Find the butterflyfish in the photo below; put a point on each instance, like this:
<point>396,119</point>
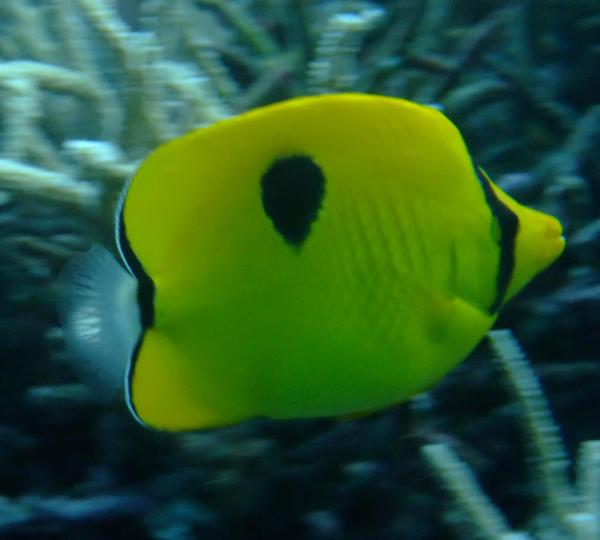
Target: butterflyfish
<point>321,256</point>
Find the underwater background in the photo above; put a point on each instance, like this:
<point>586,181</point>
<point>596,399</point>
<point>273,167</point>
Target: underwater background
<point>89,87</point>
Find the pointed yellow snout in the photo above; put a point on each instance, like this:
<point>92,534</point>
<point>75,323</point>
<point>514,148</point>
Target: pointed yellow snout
<point>539,243</point>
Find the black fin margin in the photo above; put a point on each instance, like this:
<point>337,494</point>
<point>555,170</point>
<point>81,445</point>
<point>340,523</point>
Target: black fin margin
<point>146,290</point>
<point>508,223</point>
<point>129,382</point>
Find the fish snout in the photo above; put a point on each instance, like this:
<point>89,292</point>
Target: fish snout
<point>553,239</point>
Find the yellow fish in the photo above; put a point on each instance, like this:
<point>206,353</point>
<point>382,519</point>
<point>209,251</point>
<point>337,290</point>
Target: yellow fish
<point>321,256</point>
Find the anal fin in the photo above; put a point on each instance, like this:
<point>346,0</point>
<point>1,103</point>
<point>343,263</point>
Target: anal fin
<point>163,391</point>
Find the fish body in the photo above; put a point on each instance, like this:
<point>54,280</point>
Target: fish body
<point>321,256</point>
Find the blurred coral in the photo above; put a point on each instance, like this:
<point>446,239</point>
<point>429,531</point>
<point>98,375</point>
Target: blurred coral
<point>89,87</point>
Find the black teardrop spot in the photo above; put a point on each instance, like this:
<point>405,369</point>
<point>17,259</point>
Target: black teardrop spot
<point>292,193</point>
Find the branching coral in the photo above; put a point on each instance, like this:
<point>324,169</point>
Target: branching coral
<point>88,69</point>
<point>569,510</point>
<point>89,87</point>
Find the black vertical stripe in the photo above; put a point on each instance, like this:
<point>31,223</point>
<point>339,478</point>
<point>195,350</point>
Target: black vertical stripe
<point>508,224</point>
<point>130,376</point>
<point>145,290</point>
<point>145,299</point>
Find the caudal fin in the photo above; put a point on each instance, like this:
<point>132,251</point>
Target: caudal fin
<point>100,319</point>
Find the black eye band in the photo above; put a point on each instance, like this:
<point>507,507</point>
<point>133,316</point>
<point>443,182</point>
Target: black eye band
<point>508,224</point>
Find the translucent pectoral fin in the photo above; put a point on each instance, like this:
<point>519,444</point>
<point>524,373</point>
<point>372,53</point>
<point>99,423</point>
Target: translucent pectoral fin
<point>100,319</point>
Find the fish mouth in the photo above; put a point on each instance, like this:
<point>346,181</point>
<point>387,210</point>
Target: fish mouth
<point>561,242</point>
<point>555,239</point>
